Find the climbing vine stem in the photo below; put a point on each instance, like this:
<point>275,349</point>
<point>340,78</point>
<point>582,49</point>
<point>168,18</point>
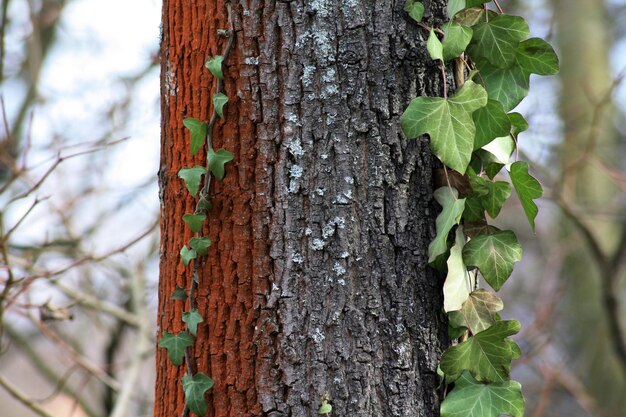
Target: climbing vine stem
<point>197,180</point>
<point>473,132</point>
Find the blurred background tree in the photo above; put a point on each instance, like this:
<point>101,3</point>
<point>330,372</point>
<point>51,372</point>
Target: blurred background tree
<point>78,209</point>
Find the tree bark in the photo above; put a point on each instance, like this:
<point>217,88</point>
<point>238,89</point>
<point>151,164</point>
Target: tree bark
<point>317,282</point>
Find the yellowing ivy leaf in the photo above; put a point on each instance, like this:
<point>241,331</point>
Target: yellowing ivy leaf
<point>459,282</point>
<point>479,311</point>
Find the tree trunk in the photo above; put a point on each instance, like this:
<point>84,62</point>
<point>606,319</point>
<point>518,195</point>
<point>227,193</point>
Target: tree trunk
<point>317,282</point>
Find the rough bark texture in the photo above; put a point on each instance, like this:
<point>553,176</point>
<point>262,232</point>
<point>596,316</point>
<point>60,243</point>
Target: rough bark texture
<point>317,281</point>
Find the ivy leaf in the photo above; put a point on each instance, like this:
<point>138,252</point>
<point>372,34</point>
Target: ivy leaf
<point>179,294</point>
<point>536,56</point>
<point>217,161</point>
<point>470,398</point>
<point>491,122</point>
<point>500,150</point>
<point>474,210</point>
<point>194,388</point>
<point>203,205</point>
<point>496,40</point>
<point>448,122</point>
<point>493,195</point>
<point>455,6</point>
<point>200,245</point>
<point>487,355</point>
<point>219,100</point>
<point>175,345</point>
<point>459,283</point>
<point>414,9</point>
<point>326,408</point>
<point>510,85</point>
<point>449,216</point>
<point>479,311</point>
<point>434,46</point>
<point>194,221</point>
<point>214,64</point>
<point>507,85</point>
<point>494,255</point>
<point>470,16</point>
<point>192,178</point>
<point>455,39</point>
<point>518,123</point>
<point>192,319</point>
<point>186,255</point>
<point>198,132</point>
<point>527,188</point>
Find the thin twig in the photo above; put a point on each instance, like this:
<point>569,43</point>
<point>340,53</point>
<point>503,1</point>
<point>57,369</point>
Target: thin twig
<point>21,397</point>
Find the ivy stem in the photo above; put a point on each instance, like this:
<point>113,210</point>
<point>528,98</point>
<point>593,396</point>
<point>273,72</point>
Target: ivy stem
<point>445,83</point>
<point>204,193</point>
<point>498,6</point>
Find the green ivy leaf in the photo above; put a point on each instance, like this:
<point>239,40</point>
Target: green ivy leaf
<point>217,161</point>
<point>518,123</point>
<point>186,255</point>
<point>192,319</point>
<point>510,85</point>
<point>175,345</point>
<point>198,132</point>
<point>491,122</point>
<point>474,210</point>
<point>486,355</point>
<point>214,64</point>
<point>326,408</point>
<point>455,39</point>
<point>194,221</point>
<point>493,195</point>
<point>494,255</point>
<point>470,398</point>
<point>194,388</point>
<point>448,122</point>
<point>479,311</point>
<point>527,188</point>
<point>459,283</point>
<point>203,205</point>
<point>449,216</point>
<point>200,245</point>
<point>434,46</point>
<point>219,100</point>
<point>192,178</point>
<point>496,40</point>
<point>414,9</point>
<point>536,56</point>
<point>179,294</point>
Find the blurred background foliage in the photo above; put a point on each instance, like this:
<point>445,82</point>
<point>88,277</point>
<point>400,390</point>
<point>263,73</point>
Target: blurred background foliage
<point>79,208</point>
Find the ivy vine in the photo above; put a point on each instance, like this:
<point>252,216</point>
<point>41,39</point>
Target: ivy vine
<point>197,180</point>
<point>474,134</point>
